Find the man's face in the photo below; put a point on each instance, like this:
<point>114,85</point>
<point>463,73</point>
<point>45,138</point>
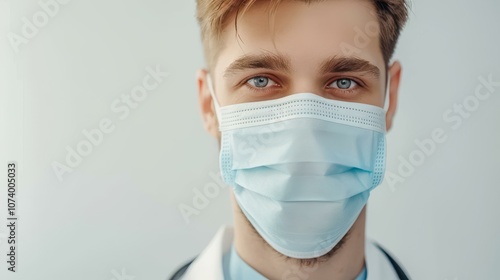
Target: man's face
<point>329,48</point>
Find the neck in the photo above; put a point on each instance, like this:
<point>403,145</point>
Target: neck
<point>346,262</point>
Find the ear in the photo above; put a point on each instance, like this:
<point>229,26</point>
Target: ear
<point>394,78</point>
<point>205,101</point>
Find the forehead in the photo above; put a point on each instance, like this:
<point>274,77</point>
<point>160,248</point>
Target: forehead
<point>305,33</point>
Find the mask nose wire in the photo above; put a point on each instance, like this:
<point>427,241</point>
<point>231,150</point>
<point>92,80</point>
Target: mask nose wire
<point>214,98</point>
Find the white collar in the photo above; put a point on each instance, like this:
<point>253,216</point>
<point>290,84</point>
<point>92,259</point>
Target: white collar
<point>208,265</point>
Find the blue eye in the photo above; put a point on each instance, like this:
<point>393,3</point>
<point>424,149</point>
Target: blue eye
<point>261,82</point>
<point>343,84</point>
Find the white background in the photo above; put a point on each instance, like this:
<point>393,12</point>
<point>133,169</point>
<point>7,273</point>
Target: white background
<point>117,212</point>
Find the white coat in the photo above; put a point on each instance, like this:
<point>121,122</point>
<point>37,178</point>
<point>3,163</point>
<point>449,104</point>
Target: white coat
<point>208,265</point>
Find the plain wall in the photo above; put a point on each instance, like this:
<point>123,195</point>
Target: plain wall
<point>117,212</point>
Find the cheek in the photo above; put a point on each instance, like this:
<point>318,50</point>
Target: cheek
<point>372,98</point>
<point>378,100</point>
<point>377,96</point>
<point>374,94</point>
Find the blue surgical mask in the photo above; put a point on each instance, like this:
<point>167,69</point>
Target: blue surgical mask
<point>302,167</point>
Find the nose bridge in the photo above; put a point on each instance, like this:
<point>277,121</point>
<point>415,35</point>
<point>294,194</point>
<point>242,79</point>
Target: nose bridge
<point>305,83</point>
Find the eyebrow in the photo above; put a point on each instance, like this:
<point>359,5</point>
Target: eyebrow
<point>349,64</point>
<point>276,62</point>
<point>256,61</point>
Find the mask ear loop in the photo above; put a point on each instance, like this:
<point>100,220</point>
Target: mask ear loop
<point>387,89</point>
<point>214,98</point>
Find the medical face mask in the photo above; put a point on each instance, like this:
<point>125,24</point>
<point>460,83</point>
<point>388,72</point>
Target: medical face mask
<point>301,167</point>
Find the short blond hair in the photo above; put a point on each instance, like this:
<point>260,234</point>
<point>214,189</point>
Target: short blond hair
<point>213,16</point>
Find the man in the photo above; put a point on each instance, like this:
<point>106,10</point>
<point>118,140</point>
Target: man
<point>295,92</point>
